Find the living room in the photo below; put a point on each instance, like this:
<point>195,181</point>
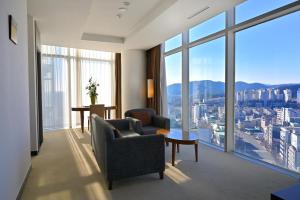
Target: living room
<point>179,99</point>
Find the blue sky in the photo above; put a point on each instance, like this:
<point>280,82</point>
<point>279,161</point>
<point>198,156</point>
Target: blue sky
<point>267,53</point>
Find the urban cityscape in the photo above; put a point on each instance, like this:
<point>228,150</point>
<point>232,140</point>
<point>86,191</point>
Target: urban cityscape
<point>267,118</point>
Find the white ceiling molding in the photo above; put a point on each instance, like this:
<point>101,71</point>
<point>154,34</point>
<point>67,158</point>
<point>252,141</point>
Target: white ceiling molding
<point>102,38</point>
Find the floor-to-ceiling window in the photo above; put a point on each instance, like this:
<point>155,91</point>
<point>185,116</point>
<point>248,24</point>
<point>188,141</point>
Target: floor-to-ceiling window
<point>244,87</point>
<point>174,94</point>
<point>207,81</point>
<point>267,114</point>
<point>65,74</point>
<point>207,91</point>
<point>173,68</point>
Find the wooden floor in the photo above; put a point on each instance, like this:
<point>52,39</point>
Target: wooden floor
<point>66,169</point>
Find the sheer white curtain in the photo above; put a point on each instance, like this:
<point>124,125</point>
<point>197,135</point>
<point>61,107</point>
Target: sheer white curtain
<point>65,74</point>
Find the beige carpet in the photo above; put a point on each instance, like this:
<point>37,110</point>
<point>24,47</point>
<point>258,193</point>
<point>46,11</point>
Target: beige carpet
<point>66,169</point>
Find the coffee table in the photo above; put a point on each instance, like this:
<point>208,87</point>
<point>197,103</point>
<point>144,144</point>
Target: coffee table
<point>177,137</point>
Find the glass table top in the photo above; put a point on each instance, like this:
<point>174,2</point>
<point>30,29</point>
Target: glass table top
<point>178,134</point>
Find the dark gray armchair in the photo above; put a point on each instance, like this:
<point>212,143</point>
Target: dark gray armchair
<point>121,153</point>
<point>146,121</point>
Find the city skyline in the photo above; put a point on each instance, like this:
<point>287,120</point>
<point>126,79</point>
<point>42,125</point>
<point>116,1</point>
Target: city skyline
<point>269,85</point>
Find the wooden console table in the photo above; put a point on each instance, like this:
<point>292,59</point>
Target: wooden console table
<point>82,109</point>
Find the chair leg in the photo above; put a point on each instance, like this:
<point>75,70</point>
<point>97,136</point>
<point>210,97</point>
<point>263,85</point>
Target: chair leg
<point>161,175</point>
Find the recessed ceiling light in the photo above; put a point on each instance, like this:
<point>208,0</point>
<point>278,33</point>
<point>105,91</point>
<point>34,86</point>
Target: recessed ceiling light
<point>122,9</point>
<point>126,3</point>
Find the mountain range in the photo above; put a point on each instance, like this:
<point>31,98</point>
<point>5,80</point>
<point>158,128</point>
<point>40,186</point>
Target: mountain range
<point>217,88</point>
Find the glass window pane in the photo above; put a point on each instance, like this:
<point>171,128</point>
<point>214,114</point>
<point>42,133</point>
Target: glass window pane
<point>267,114</point>
<point>253,8</point>
<point>173,64</point>
<point>207,91</point>
<point>208,27</point>
<point>55,92</point>
<point>173,43</point>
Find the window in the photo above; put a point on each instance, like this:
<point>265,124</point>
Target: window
<point>208,27</point>
<point>173,64</point>
<point>65,74</point>
<point>253,8</point>
<point>207,91</point>
<point>267,86</point>
<point>55,92</point>
<point>267,114</point>
<point>173,43</point>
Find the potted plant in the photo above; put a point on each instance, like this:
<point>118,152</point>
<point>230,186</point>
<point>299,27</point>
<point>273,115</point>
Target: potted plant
<point>92,90</point>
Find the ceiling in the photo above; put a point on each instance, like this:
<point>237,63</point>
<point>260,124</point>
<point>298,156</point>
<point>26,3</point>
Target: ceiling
<point>93,24</point>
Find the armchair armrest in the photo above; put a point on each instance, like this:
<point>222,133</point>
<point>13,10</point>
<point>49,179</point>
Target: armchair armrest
<point>135,124</point>
<point>140,154</point>
<point>161,122</point>
<point>120,124</point>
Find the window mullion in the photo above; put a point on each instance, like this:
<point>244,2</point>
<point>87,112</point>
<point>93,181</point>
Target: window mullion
<point>230,82</point>
<point>185,81</point>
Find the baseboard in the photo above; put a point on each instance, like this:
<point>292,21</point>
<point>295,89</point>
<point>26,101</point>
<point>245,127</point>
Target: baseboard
<point>23,184</point>
<point>34,153</point>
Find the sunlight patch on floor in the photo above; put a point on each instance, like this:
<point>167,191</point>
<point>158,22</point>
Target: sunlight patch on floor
<point>175,174</point>
<point>95,191</point>
<point>78,133</point>
<point>82,164</point>
<point>90,153</point>
<point>66,194</point>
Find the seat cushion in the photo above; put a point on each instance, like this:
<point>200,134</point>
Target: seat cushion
<point>143,116</point>
<point>128,133</point>
<point>149,130</point>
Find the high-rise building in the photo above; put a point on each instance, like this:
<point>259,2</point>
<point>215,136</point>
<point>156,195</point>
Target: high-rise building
<point>294,150</point>
<point>287,95</point>
<point>285,115</point>
<point>271,94</point>
<point>298,95</point>
<point>221,112</point>
<point>285,141</point>
<point>195,114</point>
<point>239,96</point>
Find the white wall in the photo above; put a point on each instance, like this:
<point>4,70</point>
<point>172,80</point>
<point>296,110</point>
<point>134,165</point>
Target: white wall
<point>133,79</point>
<point>14,101</point>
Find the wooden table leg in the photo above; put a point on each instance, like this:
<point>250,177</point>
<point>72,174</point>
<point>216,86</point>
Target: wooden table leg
<point>177,148</point>
<point>173,153</point>
<point>82,120</point>
<point>196,151</point>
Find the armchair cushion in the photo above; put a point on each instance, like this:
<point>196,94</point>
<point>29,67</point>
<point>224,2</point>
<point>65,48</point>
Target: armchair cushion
<point>149,130</point>
<point>128,133</point>
<point>143,116</point>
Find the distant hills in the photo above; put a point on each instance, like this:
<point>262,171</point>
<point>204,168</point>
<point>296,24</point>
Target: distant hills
<point>212,89</point>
